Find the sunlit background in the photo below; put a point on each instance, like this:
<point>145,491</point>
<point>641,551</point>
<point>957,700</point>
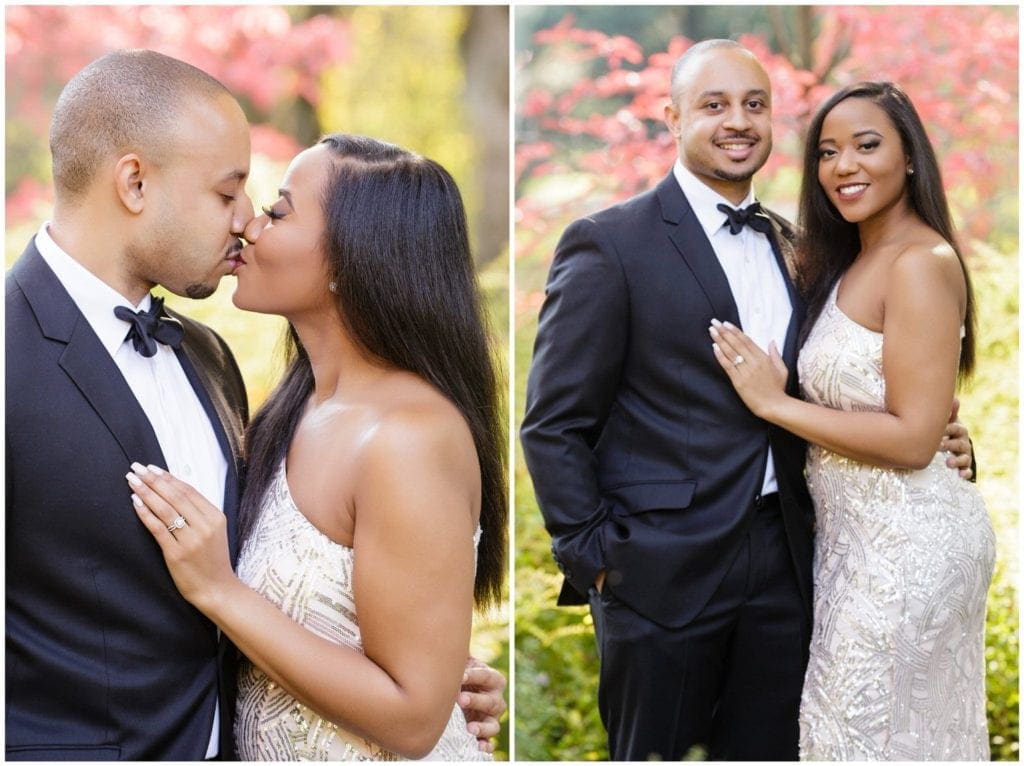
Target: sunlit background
<point>591,83</point>
<point>433,79</point>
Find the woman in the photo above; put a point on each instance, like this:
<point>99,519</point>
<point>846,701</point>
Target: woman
<point>904,549</point>
<point>375,479</point>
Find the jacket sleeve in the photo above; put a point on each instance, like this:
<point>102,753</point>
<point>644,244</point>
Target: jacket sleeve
<point>577,362</point>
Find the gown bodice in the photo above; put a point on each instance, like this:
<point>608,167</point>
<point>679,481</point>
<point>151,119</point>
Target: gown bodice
<point>309,577</point>
<point>902,563</point>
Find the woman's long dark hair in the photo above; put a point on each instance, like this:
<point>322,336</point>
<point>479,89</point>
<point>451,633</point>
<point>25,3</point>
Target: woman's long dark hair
<point>828,244</point>
<point>398,250</point>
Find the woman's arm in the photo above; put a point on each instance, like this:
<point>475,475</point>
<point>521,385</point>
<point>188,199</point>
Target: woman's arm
<point>413,581</point>
<point>923,306</point>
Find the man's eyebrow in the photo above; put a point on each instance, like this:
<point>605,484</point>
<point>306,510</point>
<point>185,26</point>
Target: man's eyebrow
<point>235,175</point>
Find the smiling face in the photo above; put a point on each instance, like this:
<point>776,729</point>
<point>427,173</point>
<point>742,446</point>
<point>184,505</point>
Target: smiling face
<point>722,119</point>
<point>285,270</point>
<point>862,165</point>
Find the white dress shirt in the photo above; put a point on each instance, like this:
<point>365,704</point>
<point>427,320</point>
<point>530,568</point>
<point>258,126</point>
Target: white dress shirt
<point>183,429</point>
<point>757,285</point>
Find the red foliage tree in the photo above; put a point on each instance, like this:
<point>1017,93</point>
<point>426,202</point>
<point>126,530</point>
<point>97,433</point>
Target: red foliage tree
<point>256,51</point>
<point>959,65</point>
<point>263,54</point>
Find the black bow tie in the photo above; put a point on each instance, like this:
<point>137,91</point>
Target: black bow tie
<point>749,216</point>
<point>148,327</point>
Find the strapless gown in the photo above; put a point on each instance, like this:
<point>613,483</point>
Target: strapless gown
<point>902,564</point>
<point>309,577</point>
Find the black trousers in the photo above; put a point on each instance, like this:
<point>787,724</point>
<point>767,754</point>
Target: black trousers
<point>727,683</point>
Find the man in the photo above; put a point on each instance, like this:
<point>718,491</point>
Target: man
<point>683,518</point>
<point>105,660</point>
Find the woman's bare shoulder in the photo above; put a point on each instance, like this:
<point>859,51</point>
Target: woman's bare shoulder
<point>418,432</point>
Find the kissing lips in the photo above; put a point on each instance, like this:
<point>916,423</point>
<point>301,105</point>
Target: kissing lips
<point>234,256</point>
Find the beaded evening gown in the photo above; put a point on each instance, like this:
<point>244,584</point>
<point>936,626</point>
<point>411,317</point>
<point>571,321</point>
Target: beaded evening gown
<point>309,577</point>
<point>902,564</point>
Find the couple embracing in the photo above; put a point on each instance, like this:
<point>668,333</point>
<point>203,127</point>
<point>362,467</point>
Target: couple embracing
<point>779,560</point>
<point>184,584</point>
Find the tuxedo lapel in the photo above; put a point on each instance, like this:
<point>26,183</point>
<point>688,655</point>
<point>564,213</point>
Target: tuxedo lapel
<point>782,249</point>
<point>692,243</point>
<point>89,365</point>
<point>226,421</point>
<point>85,360</point>
<point>215,406</point>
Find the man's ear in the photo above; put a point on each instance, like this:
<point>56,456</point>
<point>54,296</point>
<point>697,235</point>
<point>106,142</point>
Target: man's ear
<point>129,182</point>
<point>672,118</point>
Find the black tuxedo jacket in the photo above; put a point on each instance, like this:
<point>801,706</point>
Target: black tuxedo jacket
<point>105,660</point>
<point>644,459</point>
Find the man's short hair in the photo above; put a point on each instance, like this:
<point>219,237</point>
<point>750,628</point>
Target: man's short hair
<point>128,100</point>
<point>692,53</point>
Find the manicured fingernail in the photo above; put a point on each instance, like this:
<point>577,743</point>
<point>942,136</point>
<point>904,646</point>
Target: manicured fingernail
<point>729,325</point>
<point>713,331</point>
<point>139,468</point>
<point>137,501</point>
<point>134,480</point>
<point>716,323</point>
<point>715,346</point>
<point>156,469</point>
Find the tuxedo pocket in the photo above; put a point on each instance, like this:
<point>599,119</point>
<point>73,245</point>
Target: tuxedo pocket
<point>641,497</point>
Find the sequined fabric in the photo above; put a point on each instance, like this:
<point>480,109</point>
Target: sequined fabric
<point>902,564</point>
<point>309,577</point>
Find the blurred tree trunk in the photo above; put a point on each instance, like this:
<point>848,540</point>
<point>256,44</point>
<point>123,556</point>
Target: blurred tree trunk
<point>297,117</point>
<point>795,39</point>
<point>794,31</point>
<point>677,18</point>
<point>484,47</point>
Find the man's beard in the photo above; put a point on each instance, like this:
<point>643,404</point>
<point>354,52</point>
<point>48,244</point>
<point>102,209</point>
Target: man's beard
<point>198,291</point>
<point>746,175</point>
<point>139,253</point>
